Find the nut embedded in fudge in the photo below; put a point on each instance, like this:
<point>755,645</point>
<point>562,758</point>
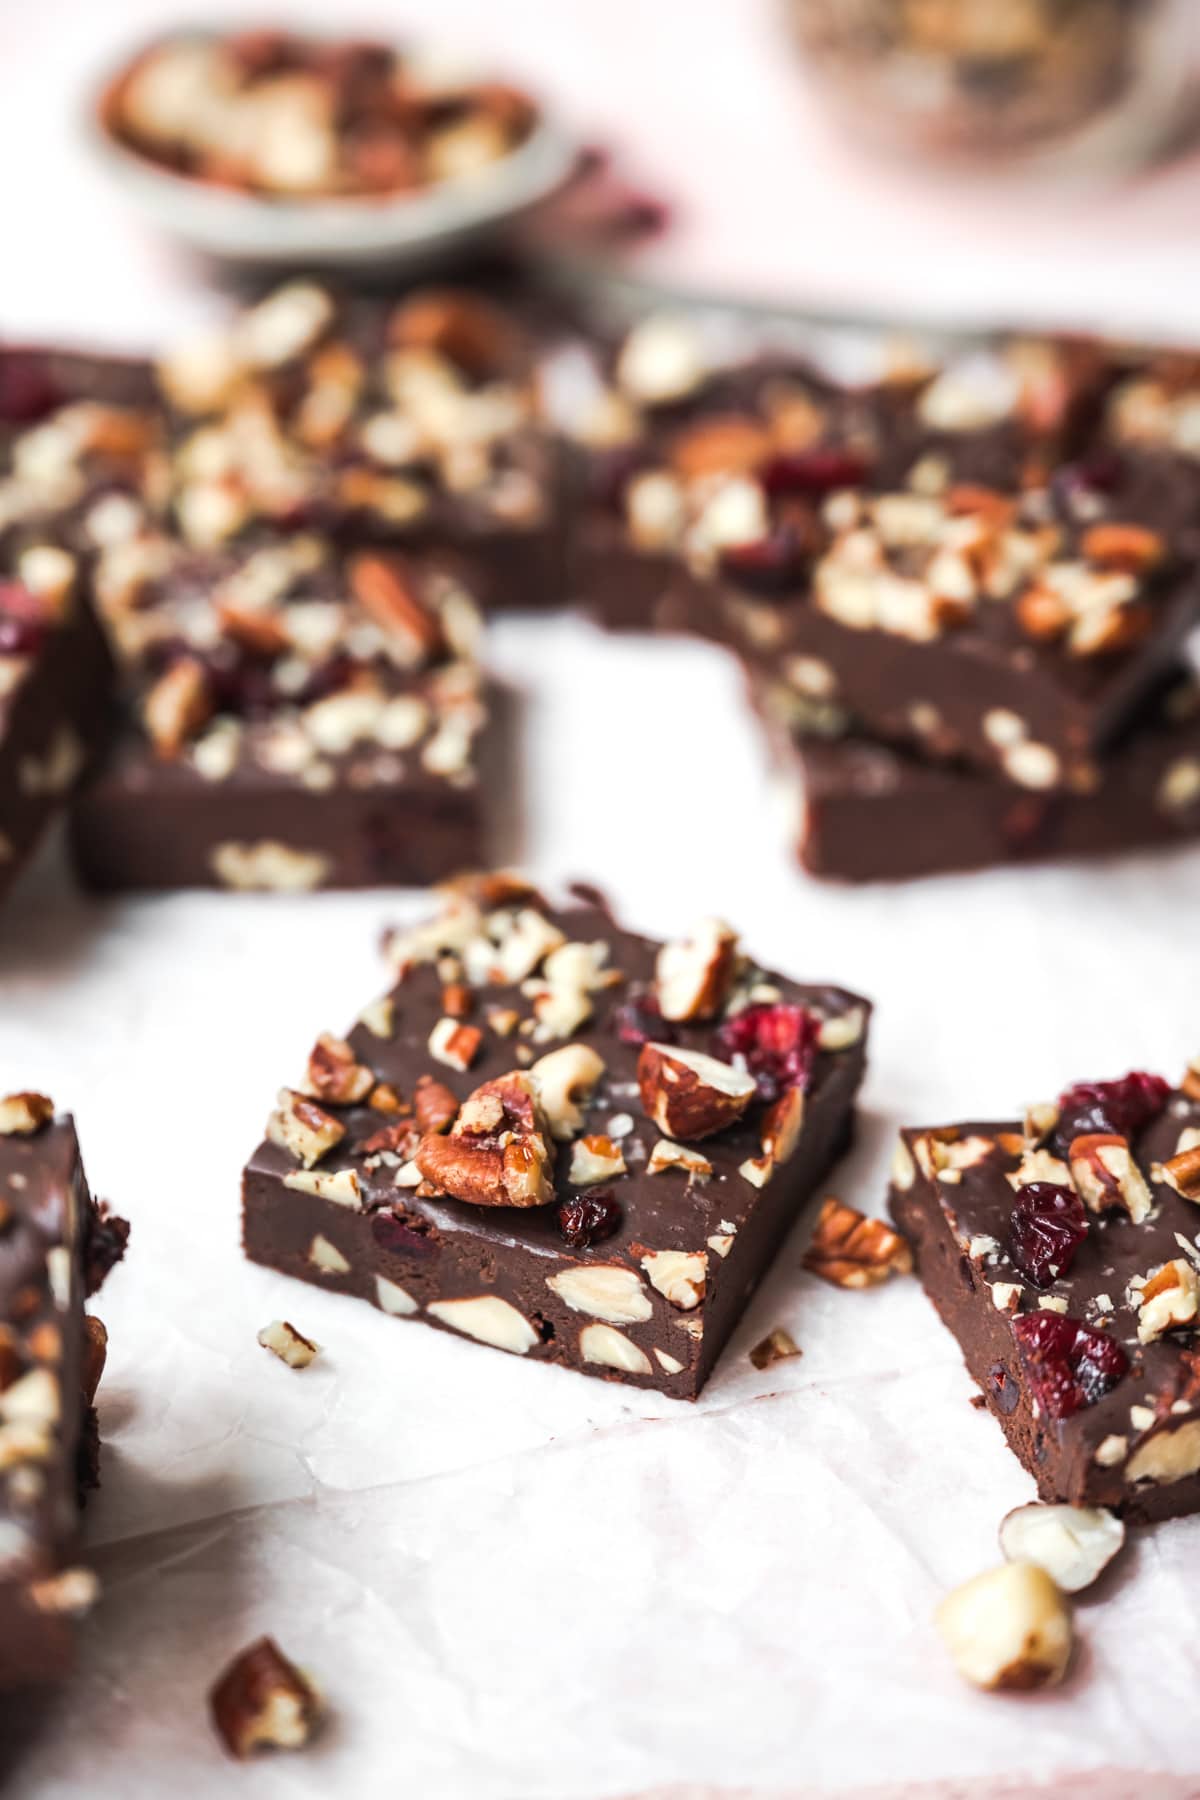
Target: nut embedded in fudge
<point>876,812</point>
<point>294,718</point>
<point>559,1138</point>
<point>56,1247</point>
<point>1063,1252</point>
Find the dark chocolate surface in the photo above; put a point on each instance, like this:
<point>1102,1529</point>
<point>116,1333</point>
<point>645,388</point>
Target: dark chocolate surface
<point>960,1228</point>
<point>433,1249</point>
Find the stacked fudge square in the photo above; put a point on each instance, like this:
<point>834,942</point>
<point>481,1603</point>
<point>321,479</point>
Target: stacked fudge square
<point>283,538</point>
<point>961,595</point>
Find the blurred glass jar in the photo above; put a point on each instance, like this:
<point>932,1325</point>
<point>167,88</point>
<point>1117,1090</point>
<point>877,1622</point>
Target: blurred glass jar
<point>1102,81</point>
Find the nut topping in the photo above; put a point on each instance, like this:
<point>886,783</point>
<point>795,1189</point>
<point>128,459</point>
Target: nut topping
<point>497,1152</point>
<point>1169,1300</point>
<point>335,1075</point>
<point>1182,1173</point>
<point>434,1106</point>
<point>1105,1174</point>
<point>302,1128</point>
<point>595,1158</point>
<point>21,1115</point>
<point>177,706</point>
<point>289,1345</point>
<point>689,1095</point>
<point>455,1044</point>
<point>693,977</point>
<point>777,1346</point>
<point>262,1698</point>
<point>564,1080</point>
<point>1008,1628</point>
<point>852,1251</point>
<point>666,1155</point>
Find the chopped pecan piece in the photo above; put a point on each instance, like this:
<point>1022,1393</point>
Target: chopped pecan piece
<point>852,1251</point>
<point>498,1151</point>
<point>334,1073</point>
<point>1105,1174</point>
<point>303,1128</point>
<point>775,1347</point>
<point>263,1699</point>
<point>384,587</point>
<point>1182,1173</point>
<point>434,1105</point>
<point>693,976</point>
<point>178,705</point>
<point>288,1344</point>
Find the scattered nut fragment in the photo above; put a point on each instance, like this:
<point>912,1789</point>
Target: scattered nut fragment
<point>1105,1174</point>
<point>288,1344</point>
<point>777,1346</point>
<point>334,1073</point>
<point>23,1114</point>
<point>1182,1172</point>
<point>694,975</point>
<point>303,1128</point>
<point>1169,1300</point>
<point>70,1592</point>
<point>455,1044</point>
<point>434,1106</point>
<point>564,1079</point>
<point>1008,1628</point>
<point>262,1698</point>
<point>497,1152</point>
<point>689,1095</point>
<point>852,1251</point>
<point>666,1155</point>
<point>595,1158</point>
<point>1073,1544</point>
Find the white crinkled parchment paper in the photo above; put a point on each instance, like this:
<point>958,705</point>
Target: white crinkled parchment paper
<point>515,1583</point>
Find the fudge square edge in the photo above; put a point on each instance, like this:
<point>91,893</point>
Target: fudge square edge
<point>560,1138</point>
<point>1064,1255</point>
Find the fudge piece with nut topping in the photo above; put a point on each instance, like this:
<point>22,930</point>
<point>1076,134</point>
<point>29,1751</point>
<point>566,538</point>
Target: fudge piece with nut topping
<point>416,423</point>
<point>870,811</point>
<point>293,718</point>
<point>1063,1252</point>
<point>56,1247</point>
<point>1020,631</point>
<point>560,1139</point>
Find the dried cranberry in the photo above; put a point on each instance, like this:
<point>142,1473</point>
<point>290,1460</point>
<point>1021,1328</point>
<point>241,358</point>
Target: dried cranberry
<point>22,621</point>
<point>816,472</point>
<point>777,1043</point>
<point>27,388</point>
<point>404,1234</point>
<point>587,1217</point>
<point>1122,1107</point>
<point>1067,1364</point>
<point>1099,473</point>
<point>638,1020</point>
<point>769,565</point>
<point>1048,1225</point>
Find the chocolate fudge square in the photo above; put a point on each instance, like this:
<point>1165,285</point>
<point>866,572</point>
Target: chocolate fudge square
<point>1063,1252</point>
<point>416,423</point>
<point>292,717</point>
<point>560,1139</point>
<point>56,1247</point>
<point>870,811</point>
<point>1020,632</point>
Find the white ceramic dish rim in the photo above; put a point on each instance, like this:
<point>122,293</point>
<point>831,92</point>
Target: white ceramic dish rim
<point>344,230</point>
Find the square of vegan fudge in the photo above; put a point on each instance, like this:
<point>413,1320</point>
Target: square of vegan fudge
<point>56,1247</point>
<point>1063,1252</point>
<point>416,423</point>
<point>293,717</point>
<point>871,811</point>
<point>1021,631</point>
<point>561,1139</point>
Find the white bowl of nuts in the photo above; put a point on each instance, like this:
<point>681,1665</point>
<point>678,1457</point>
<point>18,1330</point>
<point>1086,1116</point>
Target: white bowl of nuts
<point>272,149</point>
